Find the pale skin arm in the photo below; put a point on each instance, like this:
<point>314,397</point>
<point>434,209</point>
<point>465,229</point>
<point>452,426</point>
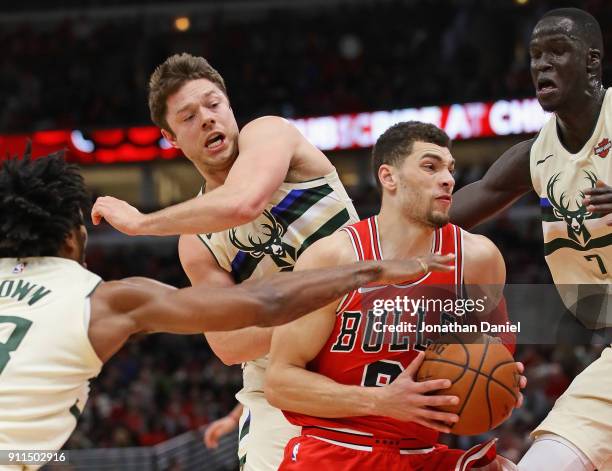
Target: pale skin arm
<point>232,347</point>
<point>267,146</point>
<point>201,267</point>
<point>290,386</point>
<point>484,269</point>
<point>485,275</point>
<point>222,426</point>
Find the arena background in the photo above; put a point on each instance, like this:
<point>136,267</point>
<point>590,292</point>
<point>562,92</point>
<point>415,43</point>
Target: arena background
<point>73,75</point>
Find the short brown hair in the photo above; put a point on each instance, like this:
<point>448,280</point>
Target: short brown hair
<point>170,76</point>
<point>395,144</point>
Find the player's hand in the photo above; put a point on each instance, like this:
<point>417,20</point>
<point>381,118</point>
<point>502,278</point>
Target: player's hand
<point>599,199</point>
<point>522,383</point>
<point>398,271</point>
<point>119,214</point>
<point>408,400</point>
<point>218,429</point>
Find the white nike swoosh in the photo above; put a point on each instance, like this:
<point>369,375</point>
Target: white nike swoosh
<point>374,288</point>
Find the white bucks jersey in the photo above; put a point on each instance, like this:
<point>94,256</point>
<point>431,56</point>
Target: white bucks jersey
<point>46,358</point>
<point>297,215</point>
<point>577,243</point>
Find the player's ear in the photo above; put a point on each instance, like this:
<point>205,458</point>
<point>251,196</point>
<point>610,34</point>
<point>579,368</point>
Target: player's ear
<point>170,137</point>
<point>387,177</point>
<point>71,247</point>
<point>594,63</point>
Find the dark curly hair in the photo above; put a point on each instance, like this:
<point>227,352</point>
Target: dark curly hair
<point>41,201</point>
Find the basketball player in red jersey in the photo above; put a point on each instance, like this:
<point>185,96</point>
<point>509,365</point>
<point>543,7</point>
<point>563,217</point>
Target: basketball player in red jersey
<point>320,363</point>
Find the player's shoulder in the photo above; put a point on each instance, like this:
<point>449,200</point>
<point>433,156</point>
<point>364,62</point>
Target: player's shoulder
<point>479,244</point>
<point>267,124</point>
<point>483,260</point>
<point>333,250</point>
<point>121,296</point>
<point>193,252</point>
<point>518,155</point>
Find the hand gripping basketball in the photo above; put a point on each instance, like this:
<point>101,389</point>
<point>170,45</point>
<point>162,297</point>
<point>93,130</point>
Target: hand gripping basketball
<point>408,400</point>
<point>484,376</point>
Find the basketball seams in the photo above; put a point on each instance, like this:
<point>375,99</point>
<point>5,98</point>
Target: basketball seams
<point>473,370</point>
<point>469,392</point>
<point>492,379</point>
<point>466,367</point>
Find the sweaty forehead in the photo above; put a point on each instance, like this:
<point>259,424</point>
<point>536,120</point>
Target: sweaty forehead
<point>555,27</point>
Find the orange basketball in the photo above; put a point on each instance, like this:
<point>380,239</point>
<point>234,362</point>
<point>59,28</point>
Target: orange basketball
<point>484,377</point>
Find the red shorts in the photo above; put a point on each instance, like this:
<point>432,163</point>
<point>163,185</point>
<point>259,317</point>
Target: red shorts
<point>314,451</point>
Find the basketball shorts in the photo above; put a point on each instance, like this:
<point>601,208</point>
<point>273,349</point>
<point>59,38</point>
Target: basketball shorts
<point>583,413</point>
<point>325,450</point>
<point>263,434</point>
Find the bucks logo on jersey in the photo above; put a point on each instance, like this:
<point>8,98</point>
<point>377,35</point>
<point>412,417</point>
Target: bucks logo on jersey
<point>267,241</point>
<point>571,210</point>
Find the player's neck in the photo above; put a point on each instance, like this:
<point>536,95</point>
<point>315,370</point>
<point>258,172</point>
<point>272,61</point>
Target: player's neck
<point>576,124</point>
<point>401,237</point>
<point>213,178</point>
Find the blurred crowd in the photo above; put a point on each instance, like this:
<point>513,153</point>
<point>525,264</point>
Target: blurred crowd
<point>78,72</point>
<point>154,389</point>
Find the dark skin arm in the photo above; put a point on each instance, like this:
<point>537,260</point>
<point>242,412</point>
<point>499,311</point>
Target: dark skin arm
<point>123,308</point>
<point>507,180</point>
<point>599,199</point>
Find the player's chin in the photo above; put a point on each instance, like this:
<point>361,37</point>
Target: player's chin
<point>439,218</point>
<point>550,102</point>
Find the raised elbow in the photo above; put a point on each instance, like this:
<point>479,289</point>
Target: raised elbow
<point>228,356</point>
<point>249,208</point>
<point>229,359</point>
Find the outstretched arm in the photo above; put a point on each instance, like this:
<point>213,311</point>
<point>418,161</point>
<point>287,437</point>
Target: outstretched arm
<point>266,145</point>
<point>507,180</point>
<point>155,307</point>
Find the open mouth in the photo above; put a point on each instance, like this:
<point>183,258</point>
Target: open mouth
<point>214,141</point>
<point>546,85</point>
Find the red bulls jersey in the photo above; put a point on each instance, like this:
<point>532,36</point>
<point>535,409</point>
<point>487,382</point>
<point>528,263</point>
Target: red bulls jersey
<point>360,352</point>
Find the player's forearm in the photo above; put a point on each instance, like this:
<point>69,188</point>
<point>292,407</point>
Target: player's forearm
<point>284,297</point>
<point>242,345</point>
<point>236,412</point>
<point>298,390</point>
<point>216,211</point>
<point>291,295</point>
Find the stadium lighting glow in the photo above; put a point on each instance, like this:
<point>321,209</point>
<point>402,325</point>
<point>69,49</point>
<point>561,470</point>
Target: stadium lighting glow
<point>182,23</point>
